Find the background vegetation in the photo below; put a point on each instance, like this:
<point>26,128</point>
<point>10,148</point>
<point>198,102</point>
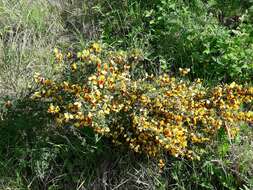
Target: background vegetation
<point>213,38</point>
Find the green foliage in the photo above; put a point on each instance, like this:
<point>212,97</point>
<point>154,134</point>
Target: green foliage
<point>123,23</point>
<point>186,34</point>
<point>196,40</point>
<point>225,165</point>
<point>79,20</point>
<point>230,8</point>
<point>36,156</point>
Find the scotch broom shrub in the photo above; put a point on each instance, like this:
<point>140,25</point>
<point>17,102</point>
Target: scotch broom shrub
<point>150,115</point>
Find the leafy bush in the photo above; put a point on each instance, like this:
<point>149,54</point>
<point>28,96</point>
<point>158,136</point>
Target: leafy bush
<point>150,115</point>
<point>196,34</point>
<point>196,40</point>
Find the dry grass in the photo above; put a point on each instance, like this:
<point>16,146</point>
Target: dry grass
<point>127,173</point>
<point>29,30</point>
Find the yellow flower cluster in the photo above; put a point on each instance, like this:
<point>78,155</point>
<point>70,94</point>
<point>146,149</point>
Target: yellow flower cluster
<point>184,71</point>
<point>150,115</point>
<point>58,55</point>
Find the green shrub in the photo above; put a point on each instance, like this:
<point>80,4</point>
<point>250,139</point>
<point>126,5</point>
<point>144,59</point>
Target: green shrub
<point>190,34</point>
<point>196,40</point>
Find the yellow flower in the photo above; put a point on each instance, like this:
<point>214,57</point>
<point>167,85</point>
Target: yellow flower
<point>77,124</point>
<point>68,117</point>
<point>56,50</point>
<point>161,163</point>
<point>96,47</point>
<point>53,109</point>
<point>59,56</point>
<point>69,55</point>
<point>101,81</point>
<point>36,95</point>
<point>85,54</point>
<point>78,105</point>
<point>184,71</point>
<point>74,67</point>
